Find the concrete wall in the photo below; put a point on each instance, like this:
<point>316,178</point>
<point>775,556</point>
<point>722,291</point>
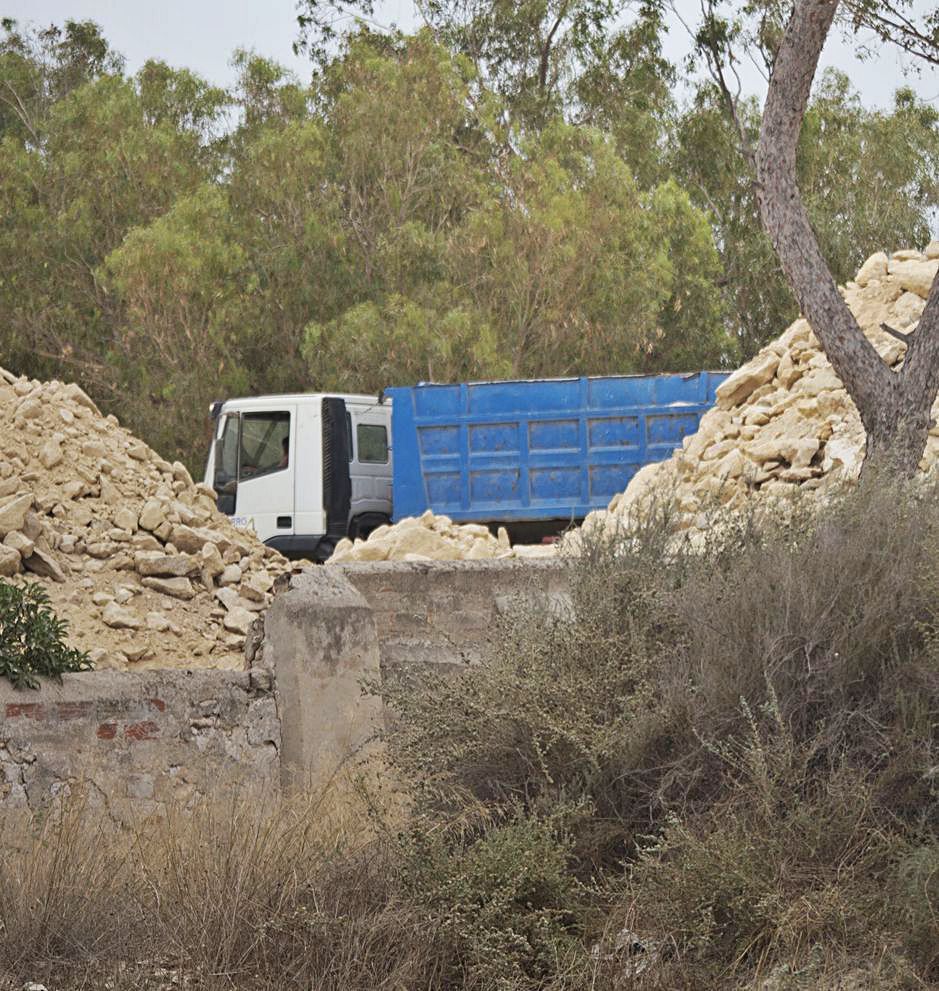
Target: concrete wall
<point>449,612</point>
<point>134,742</point>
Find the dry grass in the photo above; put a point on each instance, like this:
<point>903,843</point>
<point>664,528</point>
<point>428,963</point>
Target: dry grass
<point>252,892</point>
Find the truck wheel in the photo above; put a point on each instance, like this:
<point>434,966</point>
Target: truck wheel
<point>362,526</point>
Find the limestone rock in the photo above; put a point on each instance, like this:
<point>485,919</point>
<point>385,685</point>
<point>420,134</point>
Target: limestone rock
<point>745,380</point>
<point>427,538</point>
<point>238,620</point>
<point>125,519</point>
<point>44,563</point>
<point>230,575</point>
<point>770,437</point>
<point>915,276</point>
<point>211,559</point>
<point>482,550</point>
<point>165,565</point>
<point>50,454</point>
<point>420,540</point>
<point>178,588</point>
<point>191,539</point>
<point>535,550</point>
<point>8,486</point>
<point>119,618</point>
<point>156,621</point>
<point>11,563</point>
<point>13,513</point>
<point>20,543</point>
<point>374,549</point>
<point>874,268</point>
<point>152,515</point>
<point>75,394</point>
<point>256,586</point>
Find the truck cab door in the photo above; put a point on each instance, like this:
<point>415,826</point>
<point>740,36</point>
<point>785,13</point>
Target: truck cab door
<point>255,468</point>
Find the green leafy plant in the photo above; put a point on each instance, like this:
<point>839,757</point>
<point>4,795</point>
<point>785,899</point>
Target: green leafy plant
<point>32,638</point>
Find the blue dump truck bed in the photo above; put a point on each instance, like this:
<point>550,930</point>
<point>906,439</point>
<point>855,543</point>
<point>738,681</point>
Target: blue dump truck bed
<point>536,450</point>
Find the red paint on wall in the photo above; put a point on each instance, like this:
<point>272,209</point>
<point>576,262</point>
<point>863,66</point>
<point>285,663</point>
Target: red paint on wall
<point>28,710</point>
<point>107,731</point>
<point>158,704</point>
<point>146,730</point>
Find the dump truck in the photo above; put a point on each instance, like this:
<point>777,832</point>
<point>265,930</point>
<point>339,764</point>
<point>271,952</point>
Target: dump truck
<point>535,456</point>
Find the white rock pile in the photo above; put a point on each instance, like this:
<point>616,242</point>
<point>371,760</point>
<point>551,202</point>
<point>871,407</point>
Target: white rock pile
<point>133,554</point>
<point>434,538</point>
<point>783,422</point>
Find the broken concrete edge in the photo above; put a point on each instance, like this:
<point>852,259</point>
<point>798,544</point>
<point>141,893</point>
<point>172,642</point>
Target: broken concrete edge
<point>525,567</point>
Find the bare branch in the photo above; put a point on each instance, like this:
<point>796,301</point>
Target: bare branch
<point>897,28</point>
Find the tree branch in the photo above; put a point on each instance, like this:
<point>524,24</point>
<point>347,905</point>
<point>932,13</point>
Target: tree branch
<point>868,380</point>
<point>898,29</point>
<point>920,371</point>
<point>546,50</point>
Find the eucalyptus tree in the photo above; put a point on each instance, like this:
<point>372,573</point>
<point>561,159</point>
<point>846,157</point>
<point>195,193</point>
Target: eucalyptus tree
<point>894,405</point>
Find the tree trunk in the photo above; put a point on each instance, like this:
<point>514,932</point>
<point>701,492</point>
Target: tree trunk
<point>894,406</point>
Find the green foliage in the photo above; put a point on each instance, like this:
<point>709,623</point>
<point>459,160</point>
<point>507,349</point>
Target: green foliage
<point>511,191</point>
<point>504,902</point>
<point>541,57</point>
<point>176,279</point>
<point>369,346</point>
<point>891,158</point>
<point>32,638</point>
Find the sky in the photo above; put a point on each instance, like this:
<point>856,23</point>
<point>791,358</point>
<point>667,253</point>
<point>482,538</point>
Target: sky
<point>202,35</point>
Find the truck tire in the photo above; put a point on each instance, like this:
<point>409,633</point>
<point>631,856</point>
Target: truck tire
<point>363,525</point>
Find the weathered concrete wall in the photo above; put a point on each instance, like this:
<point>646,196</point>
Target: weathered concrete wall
<point>320,643</point>
<point>136,742</point>
<point>448,612</point>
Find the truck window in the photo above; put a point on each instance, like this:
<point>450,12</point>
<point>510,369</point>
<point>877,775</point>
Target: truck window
<point>225,481</point>
<point>226,467</point>
<point>372,443</point>
<point>264,443</point>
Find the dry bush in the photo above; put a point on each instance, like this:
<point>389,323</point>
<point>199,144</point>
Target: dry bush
<point>259,890</point>
<point>751,725</point>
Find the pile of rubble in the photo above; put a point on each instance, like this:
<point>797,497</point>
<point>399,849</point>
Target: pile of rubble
<point>783,422</point>
<point>133,554</point>
<point>434,538</point>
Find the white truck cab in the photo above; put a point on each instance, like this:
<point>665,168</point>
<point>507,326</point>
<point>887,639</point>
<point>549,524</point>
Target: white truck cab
<point>303,470</point>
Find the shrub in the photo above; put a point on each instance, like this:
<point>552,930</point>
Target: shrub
<point>32,638</point>
<point>502,897</point>
<point>561,713</point>
<point>749,724</point>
